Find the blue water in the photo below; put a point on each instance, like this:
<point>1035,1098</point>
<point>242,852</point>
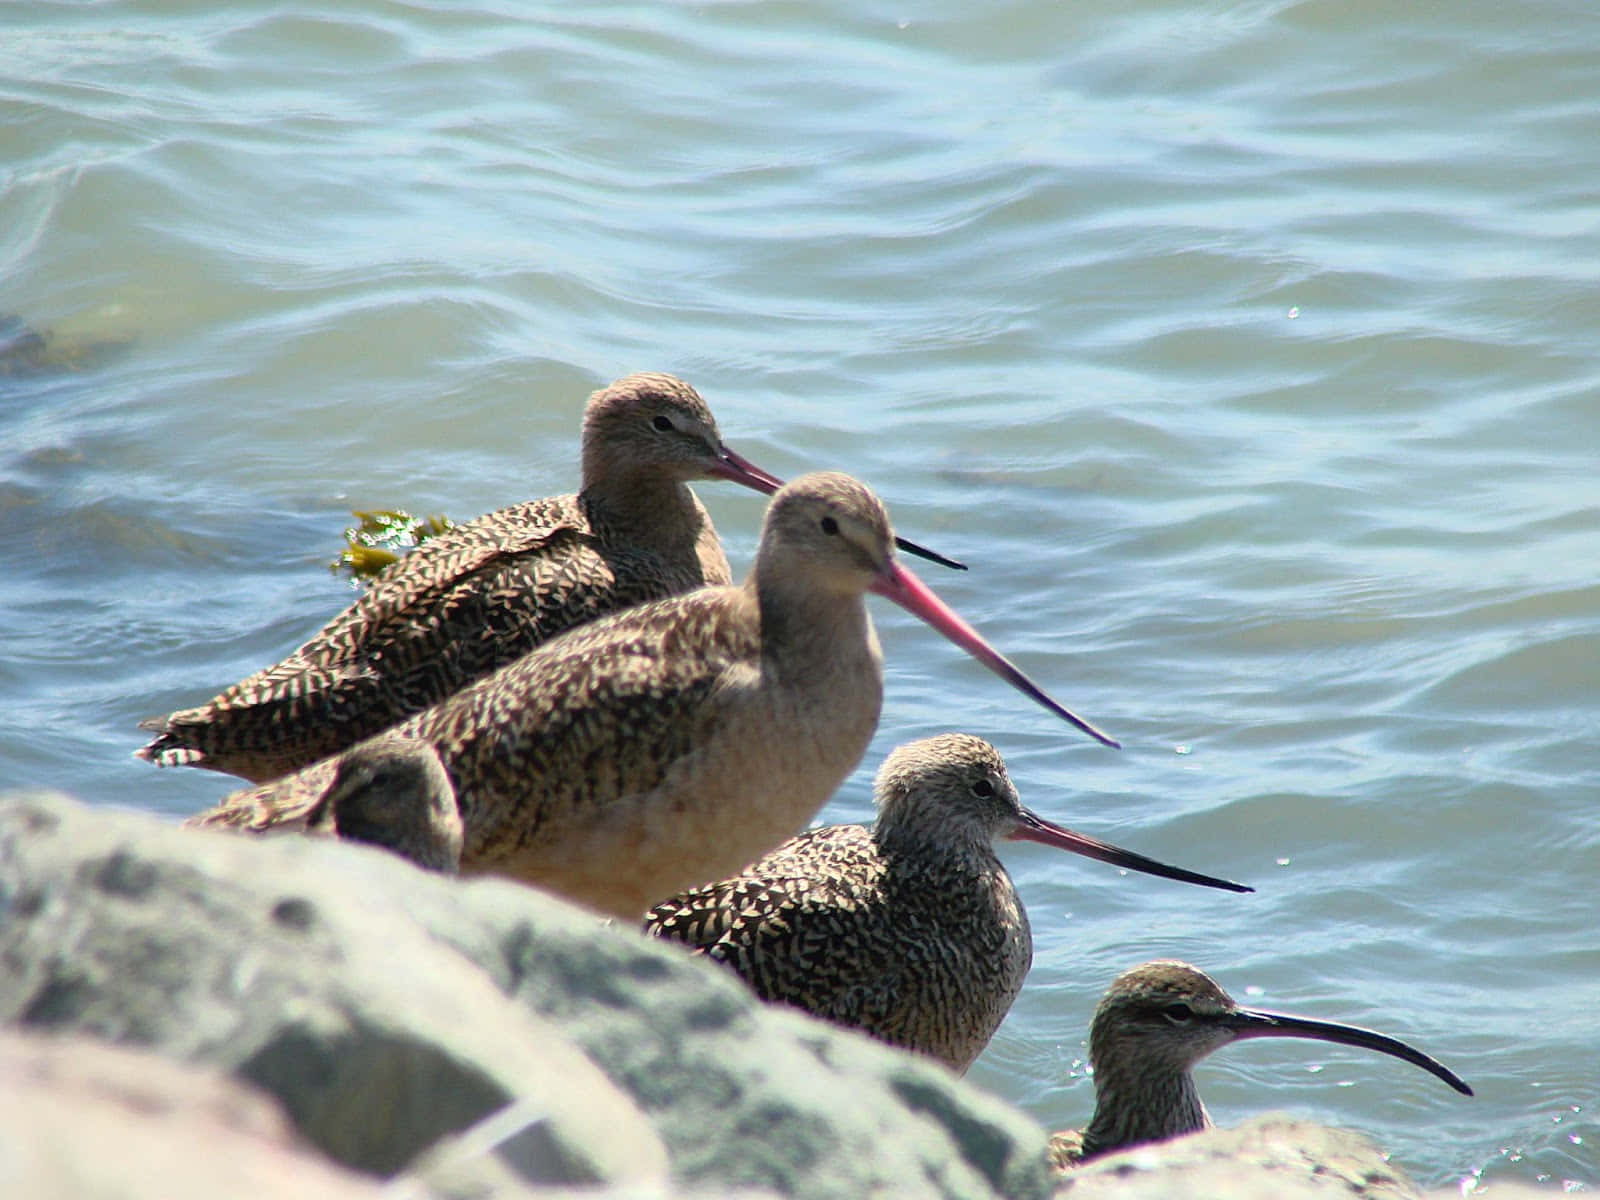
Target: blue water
<point>1247,351</point>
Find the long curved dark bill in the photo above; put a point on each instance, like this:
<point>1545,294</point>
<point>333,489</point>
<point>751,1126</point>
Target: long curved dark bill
<point>1034,828</point>
<point>910,593</point>
<point>738,469</point>
<point>1253,1023</point>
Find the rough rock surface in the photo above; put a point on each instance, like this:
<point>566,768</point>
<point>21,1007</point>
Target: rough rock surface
<point>81,1118</point>
<point>286,967</point>
<point>385,1008</point>
<point>382,1010</point>
<point>1272,1157</point>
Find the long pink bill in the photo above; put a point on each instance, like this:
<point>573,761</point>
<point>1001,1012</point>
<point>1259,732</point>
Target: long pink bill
<point>740,470</point>
<point>1033,828</point>
<point>910,593</point>
<point>1253,1023</point>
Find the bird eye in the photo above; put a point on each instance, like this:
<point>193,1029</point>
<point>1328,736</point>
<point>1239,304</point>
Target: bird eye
<point>830,526</point>
<point>661,424</point>
<point>1177,1013</point>
<point>983,788</point>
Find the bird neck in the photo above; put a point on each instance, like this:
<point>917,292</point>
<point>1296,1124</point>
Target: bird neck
<point>1133,1106</point>
<point>926,831</point>
<point>645,508</point>
<point>803,625</point>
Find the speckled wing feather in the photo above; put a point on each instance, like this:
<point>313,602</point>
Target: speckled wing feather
<point>602,712</point>
<point>284,805</point>
<point>909,951</point>
<point>557,732</point>
<point>803,925</point>
<point>458,607</point>
<point>762,902</point>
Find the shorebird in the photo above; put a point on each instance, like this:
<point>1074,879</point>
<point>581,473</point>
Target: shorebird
<point>393,792</point>
<point>673,743</point>
<point>1154,1024</point>
<point>910,931</point>
<point>484,593</point>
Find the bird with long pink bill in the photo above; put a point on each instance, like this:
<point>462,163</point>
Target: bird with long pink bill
<point>910,931</point>
<point>1154,1024</point>
<point>484,593</point>
<point>673,743</point>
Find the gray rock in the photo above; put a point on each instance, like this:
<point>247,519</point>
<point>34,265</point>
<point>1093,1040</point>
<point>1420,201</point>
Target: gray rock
<point>290,967</point>
<point>1272,1157</point>
<point>755,1096</point>
<point>81,1118</point>
<point>385,1008</point>
<point>502,1156</point>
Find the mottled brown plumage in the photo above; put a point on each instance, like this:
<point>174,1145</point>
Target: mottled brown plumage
<point>1154,1024</point>
<point>673,743</point>
<point>393,792</point>
<point>910,931</point>
<point>484,593</point>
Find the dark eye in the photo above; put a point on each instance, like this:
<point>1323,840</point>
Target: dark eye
<point>830,526</point>
<point>1178,1013</point>
<point>983,788</point>
<point>661,424</point>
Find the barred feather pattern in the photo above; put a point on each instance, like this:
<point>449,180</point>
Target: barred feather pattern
<point>479,596</point>
<point>453,610</point>
<point>557,721</point>
<point>912,932</point>
<point>632,757</point>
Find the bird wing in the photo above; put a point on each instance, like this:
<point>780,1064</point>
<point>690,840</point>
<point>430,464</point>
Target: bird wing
<point>600,713</point>
<point>420,597</point>
<point>802,925</point>
<point>282,806</point>
<point>454,608</point>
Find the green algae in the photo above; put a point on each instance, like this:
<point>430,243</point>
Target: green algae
<point>382,536</point>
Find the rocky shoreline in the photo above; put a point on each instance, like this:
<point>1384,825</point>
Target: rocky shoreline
<point>296,1016</point>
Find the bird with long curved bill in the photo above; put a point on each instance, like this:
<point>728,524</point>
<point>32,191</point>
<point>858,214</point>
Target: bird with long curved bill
<point>910,931</point>
<point>1153,1025</point>
<point>676,742</point>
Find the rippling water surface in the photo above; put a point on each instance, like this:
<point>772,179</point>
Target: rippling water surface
<point>1246,350</point>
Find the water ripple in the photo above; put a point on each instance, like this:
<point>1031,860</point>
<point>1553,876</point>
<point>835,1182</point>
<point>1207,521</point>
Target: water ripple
<point>1244,351</point>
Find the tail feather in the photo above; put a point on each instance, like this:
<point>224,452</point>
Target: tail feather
<point>284,805</point>
<point>163,753</point>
